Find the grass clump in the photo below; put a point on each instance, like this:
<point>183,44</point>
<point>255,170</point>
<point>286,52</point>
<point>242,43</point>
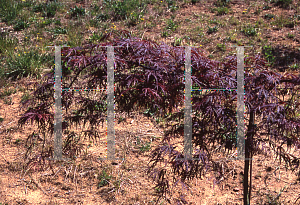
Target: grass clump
<point>268,52</point>
<point>212,29</point>
<point>221,46</point>
<point>20,25</point>
<point>104,178</point>
<point>222,3</point>
<point>59,30</point>
<point>269,16</point>
<point>77,11</point>
<point>249,30</point>
<point>7,92</point>
<point>172,5</point>
<point>171,25</point>
<point>221,11</point>
<point>282,21</point>
<point>283,3</point>
<point>25,64</point>
<point>9,10</point>
<point>121,10</point>
<point>6,43</point>
<point>47,10</point>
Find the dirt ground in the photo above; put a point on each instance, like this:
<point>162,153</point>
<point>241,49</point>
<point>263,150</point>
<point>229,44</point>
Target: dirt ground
<point>76,182</point>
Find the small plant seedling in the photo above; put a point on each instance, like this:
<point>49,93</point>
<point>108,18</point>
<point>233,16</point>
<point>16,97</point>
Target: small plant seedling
<point>212,30</point>
<point>7,92</point>
<point>145,147</point>
<point>25,97</point>
<point>104,178</point>
<point>222,3</point>
<point>20,25</point>
<point>267,7</point>
<point>221,47</point>
<point>269,16</point>
<point>102,17</point>
<point>249,31</point>
<point>59,30</point>
<point>57,22</point>
<point>8,100</point>
<point>221,11</point>
<point>121,119</point>
<point>171,25</point>
<point>77,11</point>
<point>269,53</point>
<point>289,35</point>
<point>283,3</point>
<point>165,33</point>
<point>195,1</point>
<point>178,41</point>
<point>17,141</point>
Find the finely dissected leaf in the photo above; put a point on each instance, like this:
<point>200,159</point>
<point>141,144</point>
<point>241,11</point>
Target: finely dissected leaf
<point>152,76</point>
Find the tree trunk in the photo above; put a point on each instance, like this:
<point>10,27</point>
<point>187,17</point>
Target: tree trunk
<point>248,155</point>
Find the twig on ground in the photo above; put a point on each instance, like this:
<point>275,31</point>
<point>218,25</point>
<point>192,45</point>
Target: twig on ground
<point>37,184</point>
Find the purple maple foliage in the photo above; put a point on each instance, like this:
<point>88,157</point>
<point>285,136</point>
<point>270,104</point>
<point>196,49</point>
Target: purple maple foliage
<point>151,75</point>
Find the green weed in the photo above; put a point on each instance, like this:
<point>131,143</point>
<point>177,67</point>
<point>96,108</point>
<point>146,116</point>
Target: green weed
<point>269,16</point>
<point>268,52</point>
<point>296,16</point>
<point>17,141</point>
<point>221,47</point>
<point>134,18</point>
<point>45,23</point>
<point>47,10</point>
<point>195,1</point>
<point>295,66</point>
<point>95,37</point>
<point>57,22</point>
<point>214,21</point>
<point>282,21</point>
<point>9,10</point>
<point>121,10</point>
<point>172,5</point>
<point>171,25</point>
<point>38,8</point>
<point>7,43</point>
<point>212,30</point>
<point>102,17</point>
<point>249,31</point>
<point>221,11</point>
<point>77,11</point>
<point>7,92</point>
<point>7,100</point>
<point>74,35</point>
<point>165,33</point>
<point>289,35</point>
<point>283,3</point>
<point>233,20</point>
<point>25,97</point>
<point>267,7</point>
<point>20,25</point>
<point>257,12</point>
<point>24,64</point>
<point>177,41</point>
<point>222,3</point>
<point>145,147</point>
<point>104,178</point>
<point>59,30</point>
